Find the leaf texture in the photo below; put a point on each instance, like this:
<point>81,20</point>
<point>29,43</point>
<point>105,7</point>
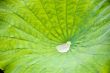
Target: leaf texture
<point>30,30</point>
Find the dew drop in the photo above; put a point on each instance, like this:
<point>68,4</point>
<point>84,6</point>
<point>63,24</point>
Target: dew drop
<point>63,47</point>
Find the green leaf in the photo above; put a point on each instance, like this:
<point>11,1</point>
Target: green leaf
<point>31,31</point>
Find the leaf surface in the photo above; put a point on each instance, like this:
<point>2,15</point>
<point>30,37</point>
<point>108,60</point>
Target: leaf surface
<point>30,30</point>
